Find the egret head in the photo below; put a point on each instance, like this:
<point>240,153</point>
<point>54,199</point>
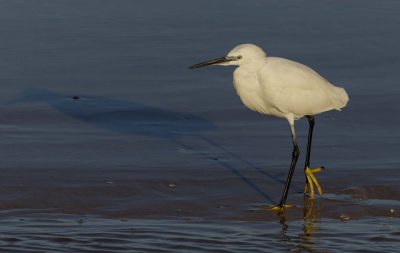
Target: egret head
<point>244,54</point>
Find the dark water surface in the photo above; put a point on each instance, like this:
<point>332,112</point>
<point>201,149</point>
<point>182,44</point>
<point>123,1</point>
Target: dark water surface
<point>91,234</point>
<point>110,144</point>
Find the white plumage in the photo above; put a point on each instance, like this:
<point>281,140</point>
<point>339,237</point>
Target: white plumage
<point>282,88</point>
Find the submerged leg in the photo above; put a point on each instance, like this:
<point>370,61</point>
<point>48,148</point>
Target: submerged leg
<point>311,181</point>
<point>295,156</point>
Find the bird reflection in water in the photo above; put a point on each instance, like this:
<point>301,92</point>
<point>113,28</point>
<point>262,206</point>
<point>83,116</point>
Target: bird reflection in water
<point>311,219</point>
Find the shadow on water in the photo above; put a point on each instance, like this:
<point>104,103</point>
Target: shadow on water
<point>124,117</point>
<point>133,118</point>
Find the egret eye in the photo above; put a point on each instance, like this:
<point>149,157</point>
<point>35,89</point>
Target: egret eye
<point>239,57</point>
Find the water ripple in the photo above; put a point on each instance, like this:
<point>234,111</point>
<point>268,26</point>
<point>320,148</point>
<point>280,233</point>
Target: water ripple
<point>68,233</point>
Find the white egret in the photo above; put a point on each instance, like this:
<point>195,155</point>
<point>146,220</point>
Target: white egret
<point>286,89</point>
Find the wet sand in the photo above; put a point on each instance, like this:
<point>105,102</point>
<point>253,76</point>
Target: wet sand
<point>216,209</point>
<point>215,193</point>
<point>110,144</point>
<point>167,210</point>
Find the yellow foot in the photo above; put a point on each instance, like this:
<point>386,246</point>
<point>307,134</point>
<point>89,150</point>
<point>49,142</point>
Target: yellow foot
<point>278,208</point>
<point>311,181</point>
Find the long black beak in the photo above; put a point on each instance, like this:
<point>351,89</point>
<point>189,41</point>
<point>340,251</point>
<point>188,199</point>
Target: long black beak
<point>211,62</point>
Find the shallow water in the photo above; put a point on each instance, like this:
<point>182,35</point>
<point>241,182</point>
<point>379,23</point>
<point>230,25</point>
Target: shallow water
<point>92,234</point>
<point>101,121</point>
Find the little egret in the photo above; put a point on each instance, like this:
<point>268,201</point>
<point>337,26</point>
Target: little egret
<point>286,89</point>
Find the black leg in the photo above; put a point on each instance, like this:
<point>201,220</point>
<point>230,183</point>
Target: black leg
<point>311,181</point>
<point>295,156</point>
<point>310,132</point>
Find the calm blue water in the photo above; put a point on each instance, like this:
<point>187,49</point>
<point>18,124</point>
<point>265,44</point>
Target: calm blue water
<point>142,120</point>
<point>130,56</point>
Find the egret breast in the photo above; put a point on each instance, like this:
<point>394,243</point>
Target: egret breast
<point>249,90</point>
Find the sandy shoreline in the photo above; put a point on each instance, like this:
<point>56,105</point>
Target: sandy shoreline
<point>214,193</point>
